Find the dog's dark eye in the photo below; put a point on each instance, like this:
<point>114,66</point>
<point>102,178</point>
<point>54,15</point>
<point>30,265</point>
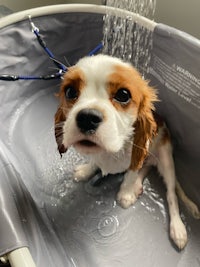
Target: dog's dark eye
<point>71,92</point>
<point>123,95</point>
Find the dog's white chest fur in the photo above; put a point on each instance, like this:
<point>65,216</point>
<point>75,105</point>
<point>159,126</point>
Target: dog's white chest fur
<point>111,163</point>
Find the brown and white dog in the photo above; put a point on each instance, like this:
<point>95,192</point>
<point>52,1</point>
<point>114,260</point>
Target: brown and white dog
<point>106,111</point>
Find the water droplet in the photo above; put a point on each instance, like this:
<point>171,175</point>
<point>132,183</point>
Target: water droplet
<point>99,202</point>
<point>114,204</point>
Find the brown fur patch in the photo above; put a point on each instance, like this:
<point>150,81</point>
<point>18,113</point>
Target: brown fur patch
<point>129,78</point>
<point>124,77</point>
<point>165,132</point>
<point>159,120</point>
<point>141,104</point>
<point>73,77</point>
<point>145,131</point>
<point>165,137</point>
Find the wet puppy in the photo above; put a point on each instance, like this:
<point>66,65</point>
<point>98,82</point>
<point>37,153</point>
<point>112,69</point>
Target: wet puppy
<point>106,111</point>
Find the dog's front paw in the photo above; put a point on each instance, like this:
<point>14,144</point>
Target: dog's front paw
<point>129,193</point>
<point>126,198</point>
<point>83,172</point>
<point>178,233</point>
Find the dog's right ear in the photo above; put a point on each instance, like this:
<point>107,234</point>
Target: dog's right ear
<point>58,127</point>
<point>145,128</point>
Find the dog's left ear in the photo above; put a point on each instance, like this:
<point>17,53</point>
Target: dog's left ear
<point>145,128</point>
<point>59,122</point>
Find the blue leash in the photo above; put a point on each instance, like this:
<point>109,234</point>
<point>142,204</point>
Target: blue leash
<point>62,68</point>
<point>42,43</point>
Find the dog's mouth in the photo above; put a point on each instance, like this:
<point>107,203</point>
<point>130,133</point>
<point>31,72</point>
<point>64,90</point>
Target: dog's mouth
<point>87,143</point>
<point>87,146</point>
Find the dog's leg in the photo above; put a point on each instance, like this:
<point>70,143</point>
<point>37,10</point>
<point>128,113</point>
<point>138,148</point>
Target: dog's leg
<point>131,187</point>
<point>178,231</point>
<point>190,205</point>
<point>84,172</point>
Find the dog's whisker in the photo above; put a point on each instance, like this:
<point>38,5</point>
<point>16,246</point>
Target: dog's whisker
<point>53,68</point>
<point>150,153</point>
<point>67,62</point>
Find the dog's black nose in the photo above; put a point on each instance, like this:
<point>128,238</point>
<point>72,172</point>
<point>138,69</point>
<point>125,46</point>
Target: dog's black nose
<point>88,120</point>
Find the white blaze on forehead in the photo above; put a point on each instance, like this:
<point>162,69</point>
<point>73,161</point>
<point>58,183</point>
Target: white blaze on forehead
<point>96,70</point>
<point>99,65</point>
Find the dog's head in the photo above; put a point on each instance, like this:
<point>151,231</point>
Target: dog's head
<point>104,103</point>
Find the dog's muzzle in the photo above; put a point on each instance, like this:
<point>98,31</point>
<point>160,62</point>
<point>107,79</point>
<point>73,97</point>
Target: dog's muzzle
<point>88,120</point>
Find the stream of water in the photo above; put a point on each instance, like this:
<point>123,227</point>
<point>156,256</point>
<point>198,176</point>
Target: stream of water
<point>124,37</point>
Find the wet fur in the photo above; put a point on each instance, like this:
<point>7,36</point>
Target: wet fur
<point>131,137</point>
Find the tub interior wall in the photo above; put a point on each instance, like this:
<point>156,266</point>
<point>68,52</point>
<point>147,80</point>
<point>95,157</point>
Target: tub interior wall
<point>181,14</point>
<point>75,224</point>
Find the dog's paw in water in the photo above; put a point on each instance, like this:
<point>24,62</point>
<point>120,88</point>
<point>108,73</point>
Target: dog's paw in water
<point>178,233</point>
<point>84,172</point>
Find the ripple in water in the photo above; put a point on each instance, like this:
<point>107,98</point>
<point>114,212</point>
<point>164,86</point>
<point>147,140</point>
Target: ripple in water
<point>108,225</point>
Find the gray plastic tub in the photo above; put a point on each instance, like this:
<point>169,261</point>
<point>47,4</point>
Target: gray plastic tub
<point>45,218</point>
